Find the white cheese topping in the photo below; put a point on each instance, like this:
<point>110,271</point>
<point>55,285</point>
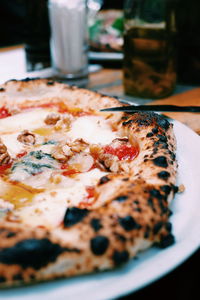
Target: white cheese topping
<point>34,206</point>
<point>14,147</point>
<point>92,129</point>
<point>26,120</point>
<point>48,208</point>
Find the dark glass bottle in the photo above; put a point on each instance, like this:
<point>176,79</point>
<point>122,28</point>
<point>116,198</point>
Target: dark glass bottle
<point>149,48</point>
<point>37,35</point>
<point>188,41</point>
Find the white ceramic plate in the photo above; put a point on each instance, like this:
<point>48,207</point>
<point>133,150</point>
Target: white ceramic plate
<point>150,265</point>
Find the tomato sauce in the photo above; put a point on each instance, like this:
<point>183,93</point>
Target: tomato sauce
<point>4,113</point>
<point>4,168</point>
<point>90,191</point>
<point>21,154</point>
<point>60,107</point>
<point>68,170</point>
<point>123,152</point>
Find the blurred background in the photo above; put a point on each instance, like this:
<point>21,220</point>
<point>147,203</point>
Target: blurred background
<point>12,19</point>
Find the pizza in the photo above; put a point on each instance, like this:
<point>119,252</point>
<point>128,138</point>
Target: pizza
<point>80,190</point>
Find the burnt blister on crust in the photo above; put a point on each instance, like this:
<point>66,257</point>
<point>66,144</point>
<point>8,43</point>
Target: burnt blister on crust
<point>164,175</point>
<point>128,223</point>
<point>35,253</point>
<point>50,82</point>
<point>166,241</point>
<point>18,277</point>
<point>74,215</point>
<point>99,245</point>
<point>104,179</point>
<point>157,227</point>
<point>160,161</point>
<point>2,279</point>
<point>166,189</point>
<point>96,224</point>
<point>120,257</point>
<point>121,198</point>
<point>146,119</point>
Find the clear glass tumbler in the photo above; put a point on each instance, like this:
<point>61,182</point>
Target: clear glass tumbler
<point>69,39</point>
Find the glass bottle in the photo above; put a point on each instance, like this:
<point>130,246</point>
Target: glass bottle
<point>149,48</point>
<point>37,35</point>
<point>188,41</point>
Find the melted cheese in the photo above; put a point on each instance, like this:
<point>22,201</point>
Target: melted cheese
<point>47,208</point>
<point>92,129</point>
<point>13,145</point>
<point>26,120</point>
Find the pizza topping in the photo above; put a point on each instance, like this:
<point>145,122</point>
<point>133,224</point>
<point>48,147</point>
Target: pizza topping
<point>52,119</point>
<point>5,158</point>
<point>27,138</point>
<point>5,206</point>
<point>55,178</point>
<point>120,148</point>
<point>67,151</point>
<point>78,145</point>
<point>33,163</point>
<point>70,171</point>
<point>64,123</point>
<point>82,162</point>
<point>92,129</point>
<point>124,152</point>
<point>21,154</point>
<point>63,152</point>
<point>59,154</point>
<point>4,168</point>
<point>4,113</point>
<point>91,191</point>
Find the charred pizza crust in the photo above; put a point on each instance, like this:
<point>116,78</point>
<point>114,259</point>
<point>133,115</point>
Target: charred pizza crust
<point>132,208</point>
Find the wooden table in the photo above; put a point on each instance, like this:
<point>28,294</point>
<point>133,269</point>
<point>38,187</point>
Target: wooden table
<point>109,81</point>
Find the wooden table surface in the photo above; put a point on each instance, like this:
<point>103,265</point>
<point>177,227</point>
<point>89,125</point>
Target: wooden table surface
<point>109,81</point>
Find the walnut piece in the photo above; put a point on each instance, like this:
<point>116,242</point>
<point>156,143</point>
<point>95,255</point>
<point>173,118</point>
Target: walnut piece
<point>4,155</point>
<point>63,152</point>
<point>64,123</point>
<point>78,145</point>
<point>52,119</point>
<point>26,138</point>
<point>82,162</point>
